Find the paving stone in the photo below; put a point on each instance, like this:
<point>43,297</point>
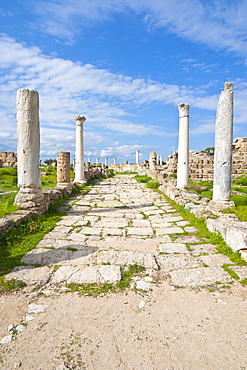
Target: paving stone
<point>36,308</point>
<point>142,223</point>
<point>190,229</point>
<point>107,231</point>
<point>146,231</point>
<point>122,258</point>
<point>99,274</point>
<point>77,237</point>
<point>174,262</point>
<point>91,231</point>
<point>182,223</point>
<point>31,276</point>
<point>171,230</point>
<point>202,276</point>
<point>188,239</point>
<point>214,260</point>
<point>199,249</point>
<point>173,248</point>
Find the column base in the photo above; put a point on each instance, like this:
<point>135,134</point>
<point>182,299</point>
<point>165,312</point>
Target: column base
<point>220,205</point>
<point>81,181</point>
<point>31,199</point>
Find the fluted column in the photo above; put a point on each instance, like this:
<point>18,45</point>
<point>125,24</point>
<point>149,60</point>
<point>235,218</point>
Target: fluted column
<point>183,146</point>
<point>79,147</point>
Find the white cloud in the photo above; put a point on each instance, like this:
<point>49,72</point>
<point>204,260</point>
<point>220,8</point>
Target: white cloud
<point>212,23</point>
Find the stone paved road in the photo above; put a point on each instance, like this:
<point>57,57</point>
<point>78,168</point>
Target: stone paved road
<point>121,222</point>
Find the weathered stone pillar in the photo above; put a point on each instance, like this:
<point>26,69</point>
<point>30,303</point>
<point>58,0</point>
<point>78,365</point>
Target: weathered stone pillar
<point>152,160</point>
<point>30,195</point>
<point>89,160</point>
<point>63,170</point>
<point>115,160</point>
<point>137,156</point>
<point>183,146</point>
<point>106,161</point>
<point>161,160</point>
<point>223,150</point>
<point>97,161</point>
<point>79,147</point>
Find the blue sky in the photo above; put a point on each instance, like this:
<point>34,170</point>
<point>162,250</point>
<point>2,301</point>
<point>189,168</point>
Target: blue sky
<point>125,65</point>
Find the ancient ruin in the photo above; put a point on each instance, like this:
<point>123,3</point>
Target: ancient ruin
<point>63,170</point>
<point>30,195</point>
<point>8,159</point>
<point>79,154</point>
<point>183,146</point>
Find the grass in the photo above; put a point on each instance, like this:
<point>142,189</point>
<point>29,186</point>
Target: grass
<point>143,179</point>
<point>8,182</point>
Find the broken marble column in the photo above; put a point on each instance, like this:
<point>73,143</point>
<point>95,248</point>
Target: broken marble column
<point>115,160</point>
<point>161,160</point>
<point>183,146</point>
<point>30,195</point>
<point>137,156</point>
<point>97,161</point>
<point>79,154</point>
<point>223,150</point>
<point>63,170</point>
<point>152,160</point>
<point>106,161</point>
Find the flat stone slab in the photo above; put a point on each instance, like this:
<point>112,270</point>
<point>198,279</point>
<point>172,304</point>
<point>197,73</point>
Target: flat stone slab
<point>107,231</point>
<point>171,230</point>
<point>174,262</point>
<point>214,260</point>
<point>99,274</point>
<point>191,229</point>
<point>188,239</point>
<point>91,231</point>
<point>201,276</point>
<point>173,248</point>
<point>31,276</point>
<point>122,258</point>
<point>203,248</point>
<point>54,256</point>
<point>146,231</point>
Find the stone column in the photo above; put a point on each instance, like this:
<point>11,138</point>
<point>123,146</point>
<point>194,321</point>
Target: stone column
<point>114,160</point>
<point>30,195</point>
<point>183,146</point>
<point>97,160</point>
<point>137,156</point>
<point>89,160</point>
<point>152,160</point>
<point>63,170</point>
<point>79,147</point>
<point>161,159</point>
<point>106,161</point>
<point>223,150</point>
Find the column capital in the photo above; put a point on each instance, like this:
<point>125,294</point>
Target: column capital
<point>183,109</point>
<point>79,120</point>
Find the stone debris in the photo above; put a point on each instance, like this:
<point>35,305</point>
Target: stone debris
<point>36,308</point>
<point>7,339</point>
